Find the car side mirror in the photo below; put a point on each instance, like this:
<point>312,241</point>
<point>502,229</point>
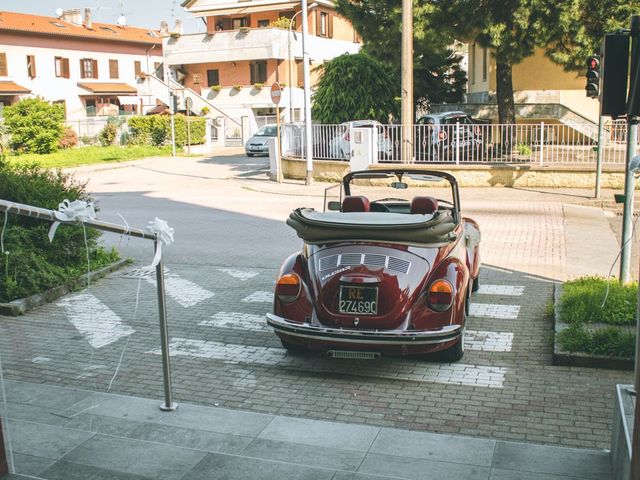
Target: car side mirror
<point>333,206</point>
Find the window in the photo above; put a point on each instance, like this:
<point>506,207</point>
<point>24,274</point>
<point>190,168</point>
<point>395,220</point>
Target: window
<point>263,23</point>
<point>484,64</point>
<point>239,23</point>
<point>300,73</point>
<point>62,67</point>
<point>113,69</point>
<point>213,78</point>
<point>3,65</point>
<point>90,107</point>
<point>88,68</point>
<point>156,66</point>
<point>324,24</point>
<point>472,64</point>
<point>137,68</point>
<point>31,66</point>
<point>258,71</point>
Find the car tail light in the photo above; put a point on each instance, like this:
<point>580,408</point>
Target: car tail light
<point>288,288</point>
<point>440,296</point>
<point>442,135</point>
<point>346,136</point>
<point>477,130</point>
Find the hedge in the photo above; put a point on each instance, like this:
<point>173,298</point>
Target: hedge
<point>156,129</point>
<point>31,264</point>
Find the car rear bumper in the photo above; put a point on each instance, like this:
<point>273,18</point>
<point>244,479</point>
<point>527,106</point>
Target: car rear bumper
<point>376,338</point>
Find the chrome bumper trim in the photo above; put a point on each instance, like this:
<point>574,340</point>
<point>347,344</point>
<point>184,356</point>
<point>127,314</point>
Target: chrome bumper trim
<point>383,337</point>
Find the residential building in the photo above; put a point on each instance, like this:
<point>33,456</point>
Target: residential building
<point>92,68</point>
<point>246,48</point>
<point>543,91</point>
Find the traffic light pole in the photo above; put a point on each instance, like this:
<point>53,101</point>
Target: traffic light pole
<point>599,155</point>
<point>629,190</point>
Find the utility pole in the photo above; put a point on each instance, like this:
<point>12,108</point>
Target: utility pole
<point>407,119</point>
<point>632,142</point>
<point>307,95</point>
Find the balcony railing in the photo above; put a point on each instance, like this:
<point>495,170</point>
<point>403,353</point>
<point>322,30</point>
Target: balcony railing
<point>250,44</point>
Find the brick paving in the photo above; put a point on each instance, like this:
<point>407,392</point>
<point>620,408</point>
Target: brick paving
<point>492,392</point>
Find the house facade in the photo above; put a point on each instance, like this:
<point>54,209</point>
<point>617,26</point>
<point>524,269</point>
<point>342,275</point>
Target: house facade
<point>543,91</point>
<point>92,68</point>
<point>249,45</point>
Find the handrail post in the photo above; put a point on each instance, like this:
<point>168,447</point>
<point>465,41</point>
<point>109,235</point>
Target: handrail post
<point>541,143</point>
<point>458,143</point>
<point>168,405</point>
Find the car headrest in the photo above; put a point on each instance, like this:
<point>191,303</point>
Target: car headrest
<point>354,203</point>
<point>424,205</point>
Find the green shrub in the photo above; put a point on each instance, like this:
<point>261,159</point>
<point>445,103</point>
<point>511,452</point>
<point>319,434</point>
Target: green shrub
<point>33,264</point>
<point>281,22</point>
<point>581,302</point>
<point>108,135</point>
<point>69,139</point>
<point>35,126</point>
<point>609,341</point>
<point>157,128</point>
<point>523,149</point>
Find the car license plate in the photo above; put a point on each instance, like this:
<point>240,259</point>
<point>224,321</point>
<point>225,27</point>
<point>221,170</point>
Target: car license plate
<point>360,300</point>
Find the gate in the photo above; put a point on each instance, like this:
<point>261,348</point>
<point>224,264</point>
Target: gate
<point>233,132</point>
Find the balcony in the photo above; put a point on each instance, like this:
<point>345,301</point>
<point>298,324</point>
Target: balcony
<point>250,44</point>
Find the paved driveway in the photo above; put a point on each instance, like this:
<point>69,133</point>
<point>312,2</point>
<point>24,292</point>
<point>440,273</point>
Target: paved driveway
<point>230,240</point>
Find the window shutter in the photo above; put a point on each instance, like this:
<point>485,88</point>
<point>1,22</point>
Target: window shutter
<point>300,73</point>
<point>113,69</point>
<point>65,68</point>
<point>83,73</point>
<point>137,68</point>
<point>318,23</point>
<point>252,72</point>
<point>3,65</point>
<point>95,68</point>
<point>31,66</point>
<point>330,25</point>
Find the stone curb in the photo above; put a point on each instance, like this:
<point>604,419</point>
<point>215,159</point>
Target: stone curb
<point>577,359</point>
<point>19,307</point>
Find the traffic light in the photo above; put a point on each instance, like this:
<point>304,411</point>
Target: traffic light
<point>615,74</point>
<point>593,77</point>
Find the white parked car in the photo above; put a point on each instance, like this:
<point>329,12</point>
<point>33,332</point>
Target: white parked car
<point>258,143</point>
<point>340,145</point>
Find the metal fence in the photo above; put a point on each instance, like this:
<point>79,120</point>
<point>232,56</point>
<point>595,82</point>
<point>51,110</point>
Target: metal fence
<point>531,143</point>
<point>89,128</point>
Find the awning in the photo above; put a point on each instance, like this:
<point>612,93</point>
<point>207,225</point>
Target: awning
<point>129,100</point>
<point>12,88</point>
<point>249,9</point>
<point>103,88</point>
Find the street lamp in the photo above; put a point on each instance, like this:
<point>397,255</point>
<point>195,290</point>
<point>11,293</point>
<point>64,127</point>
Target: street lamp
<point>291,31</point>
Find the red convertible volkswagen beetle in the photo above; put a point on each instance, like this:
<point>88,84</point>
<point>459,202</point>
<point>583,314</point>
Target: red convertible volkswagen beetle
<point>389,271</point>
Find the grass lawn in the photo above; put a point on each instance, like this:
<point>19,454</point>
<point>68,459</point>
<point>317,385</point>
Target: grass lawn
<point>91,155</point>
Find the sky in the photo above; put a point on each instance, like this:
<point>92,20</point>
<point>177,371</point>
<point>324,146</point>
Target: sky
<point>139,13</point>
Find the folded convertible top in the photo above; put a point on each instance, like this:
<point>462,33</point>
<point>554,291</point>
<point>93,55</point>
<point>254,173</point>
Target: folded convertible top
<point>324,227</point>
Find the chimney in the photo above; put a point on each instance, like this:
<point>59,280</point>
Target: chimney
<point>72,15</point>
<point>87,18</point>
<point>164,28</point>
<point>178,27</point>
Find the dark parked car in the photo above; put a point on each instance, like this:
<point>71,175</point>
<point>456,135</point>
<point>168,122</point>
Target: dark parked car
<point>391,272</point>
<point>443,137</point>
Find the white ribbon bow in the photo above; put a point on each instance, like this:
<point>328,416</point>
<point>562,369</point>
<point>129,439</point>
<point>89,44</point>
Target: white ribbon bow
<point>164,234</point>
<point>77,211</point>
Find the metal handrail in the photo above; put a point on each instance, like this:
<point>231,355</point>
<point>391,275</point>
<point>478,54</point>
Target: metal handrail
<point>49,215</point>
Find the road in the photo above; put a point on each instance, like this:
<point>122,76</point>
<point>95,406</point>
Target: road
<point>230,238</point>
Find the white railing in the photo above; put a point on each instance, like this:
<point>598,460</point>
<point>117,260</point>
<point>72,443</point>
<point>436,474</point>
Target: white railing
<point>534,143</point>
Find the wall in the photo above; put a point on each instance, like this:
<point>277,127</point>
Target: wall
<point>475,69</point>
<point>234,73</point>
<point>4,468</point>
<point>52,88</point>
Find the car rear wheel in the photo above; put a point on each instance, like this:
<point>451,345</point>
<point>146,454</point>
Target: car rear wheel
<point>455,353</point>
<point>292,348</point>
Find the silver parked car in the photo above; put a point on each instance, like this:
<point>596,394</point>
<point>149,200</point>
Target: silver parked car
<point>258,143</point>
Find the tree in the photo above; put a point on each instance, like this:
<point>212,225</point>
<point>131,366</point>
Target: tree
<point>355,87</point>
<point>436,70</point>
<point>581,26</point>
<point>512,29</point>
<point>35,125</point>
